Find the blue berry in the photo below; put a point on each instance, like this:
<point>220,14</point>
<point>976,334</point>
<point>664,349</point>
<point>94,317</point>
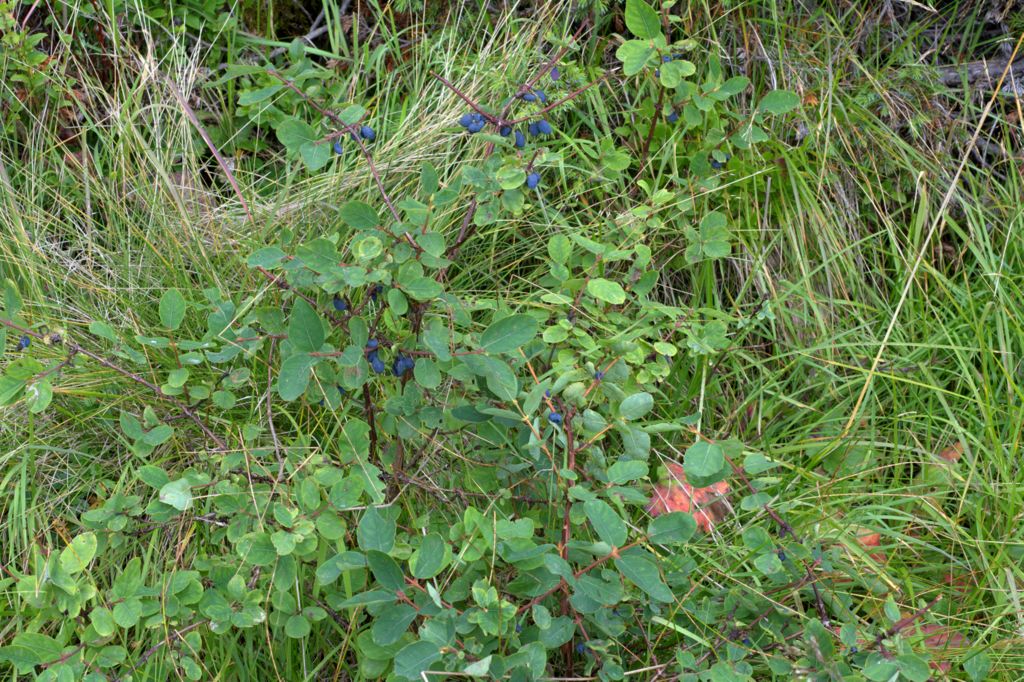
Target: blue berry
<point>544,127</point>
<point>24,342</point>
<point>533,130</point>
<point>372,344</point>
<point>519,628</point>
<point>338,149</point>
<point>555,73</point>
<point>599,375</point>
<point>374,290</point>
<point>402,364</point>
<point>367,133</point>
<point>746,641</point>
<point>853,649</point>
<point>528,97</point>
<point>555,418</point>
<point>477,125</point>
<point>520,139</point>
<point>375,362</point>
<point>657,73</point>
<point>673,117</point>
<point>718,165</point>
<point>580,648</point>
<point>339,303</point>
<point>542,97</point>
<point>665,59</point>
<point>547,393</point>
<point>466,119</point>
<point>782,555</point>
<point>532,180</point>
<point>341,390</point>
<point>505,131</point>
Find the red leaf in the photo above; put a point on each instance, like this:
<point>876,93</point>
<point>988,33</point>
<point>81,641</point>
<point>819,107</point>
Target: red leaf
<point>708,505</point>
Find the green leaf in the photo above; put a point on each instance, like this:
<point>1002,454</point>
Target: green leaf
<point>511,177</point>
<point>671,529</point>
<point>315,155</point>
<point>172,309</point>
<point>128,612</point>
<point>294,376</point>
<point>608,525</point>
<point>414,658</point>
<point>102,621</point>
<point>385,569</point>
<point>642,20</point>
<point>634,55</point>
<point>636,406</point>
<point>606,290</point>
<point>38,396</point>
<point>644,574</point>
<point>422,288</point>
<point>305,330</point>
<point>267,257</point>
<point>177,494</point>
<point>76,556</point>
<point>29,649</point>
<point>375,531</point>
<point>428,178</point>
<point>624,472</point>
<point>430,558</point>
<point>293,133</point>
<point>768,563</point>
<point>914,668</point>
<point>703,460</point>
<point>330,526</point>
<point>250,97</point>
<point>297,626</point>
<point>977,667</point>
<point>256,548</point>
<point>359,215</point>
<point>158,434</point>
<point>509,333</point>
<point>502,381</point>
<point>351,114</point>
<point>778,102</point>
<point>391,623</point>
<point>559,248</point>
<point>427,374</point>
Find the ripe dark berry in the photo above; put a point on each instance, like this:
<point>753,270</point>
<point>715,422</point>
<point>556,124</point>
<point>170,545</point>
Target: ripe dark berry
<point>547,393</point>
<point>532,180</point>
<point>367,133</point>
<point>665,59</point>
<point>24,342</point>
<point>505,131</point>
<point>746,641</point>
<point>599,375</point>
<point>528,97</point>
<point>580,648</point>
<point>519,628</point>
<point>782,555</point>
<point>533,129</point>
<point>542,97</point>
<point>338,148</point>
<point>477,125</point>
<point>466,119</point>
<point>402,364</point>
<point>718,165</point>
<point>339,303</point>
<point>853,649</point>
<point>544,127</point>
<point>372,344</point>
<point>673,117</point>
<point>657,73</point>
<point>520,139</point>
<point>341,390</point>
<point>375,362</point>
<point>555,418</point>
<point>555,74</point>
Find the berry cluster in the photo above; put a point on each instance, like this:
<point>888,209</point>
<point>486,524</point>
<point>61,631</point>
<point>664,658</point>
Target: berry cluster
<point>365,132</point>
<point>473,122</point>
<point>402,364</point>
<point>372,347</point>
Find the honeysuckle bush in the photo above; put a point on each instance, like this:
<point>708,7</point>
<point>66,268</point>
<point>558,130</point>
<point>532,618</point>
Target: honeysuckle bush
<point>311,405</point>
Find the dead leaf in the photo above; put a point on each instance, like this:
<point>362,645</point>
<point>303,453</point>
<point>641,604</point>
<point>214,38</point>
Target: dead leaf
<point>938,641</point>
<point>953,452</point>
<point>708,505</point>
